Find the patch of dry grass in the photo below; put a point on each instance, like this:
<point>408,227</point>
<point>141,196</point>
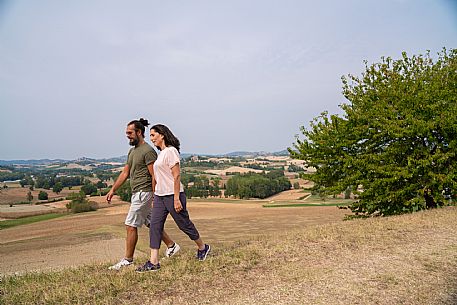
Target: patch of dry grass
<point>408,259</point>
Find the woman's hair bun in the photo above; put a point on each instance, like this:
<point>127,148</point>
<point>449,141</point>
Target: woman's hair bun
<point>144,122</point>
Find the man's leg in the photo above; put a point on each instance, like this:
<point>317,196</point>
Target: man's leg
<point>167,239</point>
<point>136,217</point>
<point>130,242</point>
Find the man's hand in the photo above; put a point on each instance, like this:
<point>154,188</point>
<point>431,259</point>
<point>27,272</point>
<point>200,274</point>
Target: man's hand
<point>109,196</point>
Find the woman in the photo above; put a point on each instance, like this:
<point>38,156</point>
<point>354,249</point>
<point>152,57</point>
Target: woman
<point>169,197</point>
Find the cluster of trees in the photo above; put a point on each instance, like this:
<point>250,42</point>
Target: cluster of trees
<point>49,181</point>
<point>105,175</point>
<point>205,164</point>
<point>200,186</point>
<point>395,145</point>
<point>11,176</point>
<point>58,183</point>
<point>255,166</point>
<point>254,185</point>
<point>295,169</point>
<point>261,167</point>
<point>79,203</point>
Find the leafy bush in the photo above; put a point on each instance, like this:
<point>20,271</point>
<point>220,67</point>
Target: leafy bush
<point>43,195</point>
<point>79,203</point>
<point>88,206</point>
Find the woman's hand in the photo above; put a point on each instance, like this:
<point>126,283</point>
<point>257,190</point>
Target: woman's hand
<point>178,205</point>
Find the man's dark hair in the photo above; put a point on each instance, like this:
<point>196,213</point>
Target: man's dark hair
<point>140,124</point>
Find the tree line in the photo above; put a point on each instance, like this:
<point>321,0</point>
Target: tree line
<point>257,185</point>
<point>200,185</point>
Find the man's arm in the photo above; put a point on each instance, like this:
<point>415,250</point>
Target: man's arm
<point>151,171</point>
<point>119,181</point>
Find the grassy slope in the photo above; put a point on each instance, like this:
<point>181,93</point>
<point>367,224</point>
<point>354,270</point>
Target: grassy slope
<point>409,259</point>
<point>29,219</point>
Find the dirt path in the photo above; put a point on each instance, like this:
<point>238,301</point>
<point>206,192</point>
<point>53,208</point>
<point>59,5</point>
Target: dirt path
<point>99,236</point>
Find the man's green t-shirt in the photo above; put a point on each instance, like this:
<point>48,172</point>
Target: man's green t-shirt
<point>138,160</point>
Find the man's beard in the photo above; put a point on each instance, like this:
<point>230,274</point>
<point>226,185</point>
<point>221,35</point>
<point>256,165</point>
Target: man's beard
<point>133,142</point>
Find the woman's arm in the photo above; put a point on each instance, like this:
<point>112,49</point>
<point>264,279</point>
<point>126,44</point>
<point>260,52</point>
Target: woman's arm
<point>176,172</point>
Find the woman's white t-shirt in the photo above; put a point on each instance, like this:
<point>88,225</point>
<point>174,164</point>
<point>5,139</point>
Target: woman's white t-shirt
<point>167,158</point>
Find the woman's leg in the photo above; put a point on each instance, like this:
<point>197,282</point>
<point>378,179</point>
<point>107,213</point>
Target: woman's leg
<point>183,221</point>
<point>185,224</point>
<point>158,216</point>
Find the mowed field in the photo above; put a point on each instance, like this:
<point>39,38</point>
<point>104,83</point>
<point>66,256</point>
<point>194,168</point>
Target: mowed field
<point>98,237</point>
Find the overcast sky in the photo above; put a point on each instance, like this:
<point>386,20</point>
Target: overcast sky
<point>223,75</point>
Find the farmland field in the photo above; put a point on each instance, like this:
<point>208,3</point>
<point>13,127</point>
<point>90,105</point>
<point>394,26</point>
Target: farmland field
<point>99,236</point>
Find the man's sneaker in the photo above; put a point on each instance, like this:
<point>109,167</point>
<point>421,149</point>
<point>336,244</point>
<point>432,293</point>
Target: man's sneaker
<point>172,250</point>
<point>121,264</point>
<point>148,266</point>
<point>202,254</point>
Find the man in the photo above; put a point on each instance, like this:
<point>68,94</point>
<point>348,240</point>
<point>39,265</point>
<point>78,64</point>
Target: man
<point>139,168</point>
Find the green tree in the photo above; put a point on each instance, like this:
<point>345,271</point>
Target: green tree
<point>100,184</point>
<point>395,142</point>
<point>125,191</point>
<point>214,188</point>
<point>42,195</point>
<point>89,188</point>
<point>57,188</point>
<point>29,196</point>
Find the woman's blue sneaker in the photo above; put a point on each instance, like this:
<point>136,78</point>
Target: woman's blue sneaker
<point>148,266</point>
<point>202,254</point>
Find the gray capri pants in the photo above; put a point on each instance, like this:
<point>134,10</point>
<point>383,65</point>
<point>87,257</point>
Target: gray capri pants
<point>160,209</point>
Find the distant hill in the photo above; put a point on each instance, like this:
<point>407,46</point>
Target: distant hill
<point>256,153</point>
<point>32,162</point>
<point>243,154</point>
<point>123,159</point>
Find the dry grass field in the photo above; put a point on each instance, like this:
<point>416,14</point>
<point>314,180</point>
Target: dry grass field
<point>14,194</point>
<point>37,207</point>
<point>98,236</point>
<point>261,256</point>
